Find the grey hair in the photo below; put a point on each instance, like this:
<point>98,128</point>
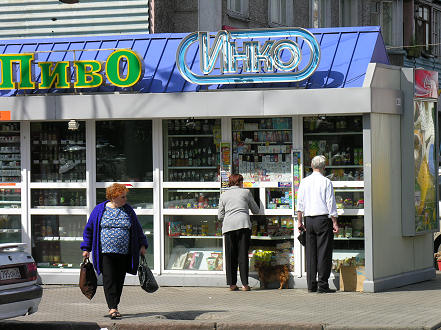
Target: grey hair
<point>318,162</point>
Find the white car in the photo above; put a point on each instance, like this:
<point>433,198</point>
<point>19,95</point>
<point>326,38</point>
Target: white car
<point>19,292</point>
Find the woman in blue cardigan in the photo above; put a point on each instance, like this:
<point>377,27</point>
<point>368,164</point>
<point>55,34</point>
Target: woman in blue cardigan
<point>115,237</point>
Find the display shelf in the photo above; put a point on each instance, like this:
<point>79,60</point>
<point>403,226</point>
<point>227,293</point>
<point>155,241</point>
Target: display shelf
<point>348,184</point>
<point>260,142</point>
<point>350,212</point>
<point>193,236</point>
<point>287,211</point>
<point>262,153</point>
<point>10,202</point>
<point>9,152</point>
<point>57,238</point>
<point>272,238</point>
<point>192,167</point>
<point>10,230</point>
<point>189,211</point>
<point>333,133</point>
<point>189,135</point>
<point>349,238</point>
<point>343,254</point>
<point>9,142</point>
<point>341,166</point>
<point>4,131</point>
<point>262,129</point>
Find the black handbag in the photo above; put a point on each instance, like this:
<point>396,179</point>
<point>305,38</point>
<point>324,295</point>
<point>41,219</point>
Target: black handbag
<point>88,280</point>
<point>302,236</point>
<point>146,279</point>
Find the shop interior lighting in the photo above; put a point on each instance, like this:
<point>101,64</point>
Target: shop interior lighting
<point>190,123</point>
<point>73,125</point>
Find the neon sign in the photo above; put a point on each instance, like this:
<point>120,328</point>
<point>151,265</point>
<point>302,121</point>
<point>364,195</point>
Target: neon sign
<point>265,63</point>
<point>88,73</point>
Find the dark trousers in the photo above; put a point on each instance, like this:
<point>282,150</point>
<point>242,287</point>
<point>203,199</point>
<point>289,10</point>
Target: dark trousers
<point>319,243</point>
<point>114,268</point>
<point>237,243</point>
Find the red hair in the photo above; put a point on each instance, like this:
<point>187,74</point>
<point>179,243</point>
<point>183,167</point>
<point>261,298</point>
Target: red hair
<point>235,180</point>
<point>115,190</point>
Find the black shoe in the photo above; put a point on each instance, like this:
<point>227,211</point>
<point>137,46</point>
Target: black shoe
<point>325,290</point>
<point>312,290</point>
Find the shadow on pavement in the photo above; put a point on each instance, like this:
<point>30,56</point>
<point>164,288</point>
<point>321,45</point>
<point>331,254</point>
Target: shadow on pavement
<point>177,315</point>
<point>433,284</point>
<point>18,325</point>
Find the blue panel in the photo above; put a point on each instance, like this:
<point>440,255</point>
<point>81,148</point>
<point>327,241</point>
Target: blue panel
<point>152,59</point>
<point>342,61</point>
<point>328,45</point>
<point>361,59</point>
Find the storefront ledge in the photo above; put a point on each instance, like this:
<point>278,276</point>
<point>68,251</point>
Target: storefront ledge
<point>161,325</point>
<point>191,280</point>
<point>399,280</point>
<point>20,325</point>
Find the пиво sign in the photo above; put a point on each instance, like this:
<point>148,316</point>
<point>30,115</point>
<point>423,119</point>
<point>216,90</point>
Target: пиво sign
<point>277,59</point>
<point>88,74</point>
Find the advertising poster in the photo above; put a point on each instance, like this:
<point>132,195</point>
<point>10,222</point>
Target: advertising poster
<point>425,166</point>
<point>296,175</point>
<point>225,164</point>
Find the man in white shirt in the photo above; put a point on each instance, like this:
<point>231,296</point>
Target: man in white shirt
<point>316,203</point>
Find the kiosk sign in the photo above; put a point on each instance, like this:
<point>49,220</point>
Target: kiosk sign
<point>88,73</point>
<point>276,60</point>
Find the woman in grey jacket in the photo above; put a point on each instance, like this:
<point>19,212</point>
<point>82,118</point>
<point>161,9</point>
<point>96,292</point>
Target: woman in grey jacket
<point>234,206</point>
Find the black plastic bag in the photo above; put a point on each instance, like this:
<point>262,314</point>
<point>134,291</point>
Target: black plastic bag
<point>88,281</point>
<point>302,237</point>
<point>146,278</point>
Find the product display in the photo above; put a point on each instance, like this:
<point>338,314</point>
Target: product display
<point>10,198</point>
<point>42,198</point>
<point>349,199</point>
<point>190,199</point>
<point>272,226</point>
<point>56,240</point>
<point>57,154</point>
<point>279,198</point>
<point>340,140</point>
<point>10,159</point>
<point>191,150</point>
<point>262,149</point>
<point>10,228</point>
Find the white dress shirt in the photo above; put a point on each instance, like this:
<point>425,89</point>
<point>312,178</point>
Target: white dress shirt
<point>316,196</point>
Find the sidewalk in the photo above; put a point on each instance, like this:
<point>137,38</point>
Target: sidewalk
<point>415,306</point>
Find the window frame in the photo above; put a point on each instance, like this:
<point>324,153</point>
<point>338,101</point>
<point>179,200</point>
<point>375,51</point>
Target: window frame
<point>288,17</point>
<point>244,7</point>
<point>323,17</point>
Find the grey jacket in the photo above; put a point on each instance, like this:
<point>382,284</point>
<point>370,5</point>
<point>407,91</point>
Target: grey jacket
<point>234,206</point>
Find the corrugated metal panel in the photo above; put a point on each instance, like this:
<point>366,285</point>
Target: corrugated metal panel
<point>52,18</point>
<point>345,55</point>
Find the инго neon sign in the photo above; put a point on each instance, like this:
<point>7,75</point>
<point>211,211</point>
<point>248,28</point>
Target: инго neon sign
<point>88,73</point>
<point>260,63</point>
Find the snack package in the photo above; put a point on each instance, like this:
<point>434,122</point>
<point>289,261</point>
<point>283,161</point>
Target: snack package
<point>174,228</point>
<point>211,263</point>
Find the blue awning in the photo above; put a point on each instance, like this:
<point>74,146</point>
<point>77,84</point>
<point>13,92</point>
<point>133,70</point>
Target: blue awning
<point>345,55</point>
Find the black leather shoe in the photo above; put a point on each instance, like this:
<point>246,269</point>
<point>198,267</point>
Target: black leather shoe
<point>325,290</point>
<point>312,290</point>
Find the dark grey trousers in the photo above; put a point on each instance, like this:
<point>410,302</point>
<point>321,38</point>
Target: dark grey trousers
<point>319,243</point>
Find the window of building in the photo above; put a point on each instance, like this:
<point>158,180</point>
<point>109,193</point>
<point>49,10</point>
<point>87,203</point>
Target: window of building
<point>348,13</point>
<point>422,27</point>
<point>381,13</point>
<point>320,13</point>
<point>238,6</point>
<point>281,12</point>
<point>436,33</point>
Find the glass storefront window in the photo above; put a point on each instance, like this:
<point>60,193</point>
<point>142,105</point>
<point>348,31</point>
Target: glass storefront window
<point>279,198</point>
<point>146,222</point>
<point>10,160</point>
<point>272,241</point>
<point>349,198</point>
<point>58,154</point>
<point>10,228</point>
<point>138,198</point>
<point>262,149</point>
<point>10,198</point>
<point>124,151</point>
<point>56,240</point>
<point>338,138</point>
<point>191,198</point>
<point>49,198</point>
<point>193,243</point>
<point>191,149</point>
